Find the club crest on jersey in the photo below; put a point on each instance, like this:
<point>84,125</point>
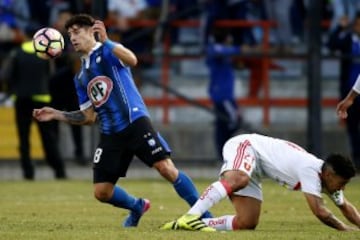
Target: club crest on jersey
<point>151,142</point>
<point>99,89</point>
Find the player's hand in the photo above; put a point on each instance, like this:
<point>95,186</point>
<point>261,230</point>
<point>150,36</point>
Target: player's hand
<point>342,107</point>
<point>351,229</point>
<point>44,114</point>
<point>100,29</point>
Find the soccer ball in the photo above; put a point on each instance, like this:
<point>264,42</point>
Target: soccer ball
<point>48,43</point>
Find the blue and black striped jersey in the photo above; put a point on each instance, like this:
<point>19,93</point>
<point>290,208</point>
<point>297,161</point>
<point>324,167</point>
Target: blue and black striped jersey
<point>107,85</point>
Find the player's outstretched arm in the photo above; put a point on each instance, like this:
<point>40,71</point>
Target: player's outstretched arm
<point>124,54</point>
<point>318,208</point>
<point>343,106</point>
<point>350,212</point>
<point>83,117</point>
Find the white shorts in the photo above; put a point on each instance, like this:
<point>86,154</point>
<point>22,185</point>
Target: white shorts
<point>244,158</point>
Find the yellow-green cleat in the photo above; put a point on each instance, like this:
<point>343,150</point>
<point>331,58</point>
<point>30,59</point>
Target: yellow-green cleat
<point>170,226</point>
<point>192,223</point>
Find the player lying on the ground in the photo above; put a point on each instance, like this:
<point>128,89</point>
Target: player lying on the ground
<point>248,157</point>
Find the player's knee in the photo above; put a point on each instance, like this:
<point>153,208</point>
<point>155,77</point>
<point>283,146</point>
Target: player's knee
<point>236,179</point>
<point>239,223</point>
<point>102,195</point>
<point>166,169</point>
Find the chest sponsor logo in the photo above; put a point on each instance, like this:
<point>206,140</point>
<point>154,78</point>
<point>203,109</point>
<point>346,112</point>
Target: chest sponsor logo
<point>99,89</point>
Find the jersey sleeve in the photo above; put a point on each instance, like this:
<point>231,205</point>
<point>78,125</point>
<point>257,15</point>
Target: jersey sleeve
<point>107,54</point>
<point>84,101</point>
<point>356,86</point>
<point>310,181</point>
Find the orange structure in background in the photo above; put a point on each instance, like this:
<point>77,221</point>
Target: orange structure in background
<point>266,101</point>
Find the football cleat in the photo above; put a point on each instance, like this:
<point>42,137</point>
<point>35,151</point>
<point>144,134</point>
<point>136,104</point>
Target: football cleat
<point>193,223</point>
<point>173,225</point>
<point>133,218</point>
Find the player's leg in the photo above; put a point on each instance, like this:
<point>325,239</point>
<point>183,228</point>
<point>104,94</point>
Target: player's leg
<point>247,215</point>
<point>247,202</point>
<point>51,148</point>
<point>76,133</point>
<point>115,195</point>
<point>23,117</point>
<point>153,150</point>
<point>111,161</point>
<point>235,175</point>
<point>181,182</point>
<point>247,212</point>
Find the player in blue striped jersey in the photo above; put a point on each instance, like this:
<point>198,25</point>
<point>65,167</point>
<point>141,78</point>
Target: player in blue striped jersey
<point>107,94</point>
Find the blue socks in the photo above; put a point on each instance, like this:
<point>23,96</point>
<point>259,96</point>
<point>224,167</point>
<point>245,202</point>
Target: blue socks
<point>122,199</point>
<point>183,185</point>
<point>185,188</point>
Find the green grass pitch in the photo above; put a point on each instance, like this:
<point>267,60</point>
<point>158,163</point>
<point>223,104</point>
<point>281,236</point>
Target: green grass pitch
<point>64,210</point>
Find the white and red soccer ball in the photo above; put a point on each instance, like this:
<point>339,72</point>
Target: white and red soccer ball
<point>48,43</point>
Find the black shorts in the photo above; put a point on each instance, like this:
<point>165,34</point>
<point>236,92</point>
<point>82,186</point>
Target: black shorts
<point>116,151</point>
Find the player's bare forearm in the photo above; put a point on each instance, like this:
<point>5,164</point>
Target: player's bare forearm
<point>318,208</point>
<point>352,95</point>
<point>79,117</point>
<point>343,106</point>
<point>333,222</point>
<point>75,117</point>
<point>351,213</point>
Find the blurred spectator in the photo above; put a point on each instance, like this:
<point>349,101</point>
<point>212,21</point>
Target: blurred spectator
<point>57,8</point>
<point>13,16</point>
<point>297,19</point>
<point>213,10</point>
<point>342,8</point>
<point>18,11</point>
<point>242,36</point>
<point>233,10</point>
<point>221,87</point>
<point>39,12</point>
<point>346,39</point>
<point>97,8</point>
<point>120,12</point>
<point>257,73</point>
<point>62,87</point>
<point>180,10</point>
<point>138,39</point>
<point>279,11</point>
<point>27,76</point>
<point>45,13</point>
<point>246,10</point>
<point>154,7</point>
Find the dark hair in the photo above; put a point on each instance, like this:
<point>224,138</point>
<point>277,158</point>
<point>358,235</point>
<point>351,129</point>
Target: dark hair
<point>343,166</point>
<point>81,20</point>
<point>220,34</point>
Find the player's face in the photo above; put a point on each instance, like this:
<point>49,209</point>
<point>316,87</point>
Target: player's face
<point>82,38</point>
<point>334,182</point>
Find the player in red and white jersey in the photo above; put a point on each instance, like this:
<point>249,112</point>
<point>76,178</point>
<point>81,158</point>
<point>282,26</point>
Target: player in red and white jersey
<point>249,157</point>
